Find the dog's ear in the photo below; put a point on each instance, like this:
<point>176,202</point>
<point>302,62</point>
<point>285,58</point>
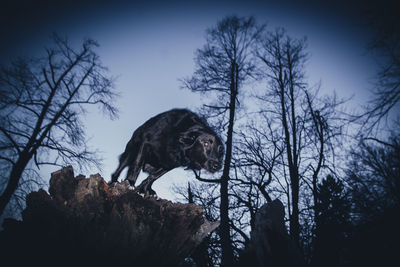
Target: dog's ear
<point>188,138</point>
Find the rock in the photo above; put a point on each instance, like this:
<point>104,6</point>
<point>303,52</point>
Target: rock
<point>86,222</point>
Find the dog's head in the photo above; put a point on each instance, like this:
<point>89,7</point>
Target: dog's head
<point>204,150</point>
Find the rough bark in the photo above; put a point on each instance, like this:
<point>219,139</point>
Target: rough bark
<point>270,244</point>
<point>86,222</point>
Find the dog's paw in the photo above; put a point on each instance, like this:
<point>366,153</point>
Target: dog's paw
<point>131,187</point>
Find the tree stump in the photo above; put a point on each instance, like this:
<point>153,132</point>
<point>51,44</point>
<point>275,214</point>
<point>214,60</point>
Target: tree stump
<point>86,222</point>
<point>270,245</point>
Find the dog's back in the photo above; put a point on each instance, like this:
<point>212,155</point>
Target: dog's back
<point>163,143</point>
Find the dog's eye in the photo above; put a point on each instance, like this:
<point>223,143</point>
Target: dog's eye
<point>206,144</point>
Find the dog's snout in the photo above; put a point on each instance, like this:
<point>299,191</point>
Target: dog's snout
<point>215,165</point>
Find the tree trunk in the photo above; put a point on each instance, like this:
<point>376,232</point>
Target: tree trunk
<point>293,173</point>
<point>15,176</point>
<point>295,179</point>
<point>294,218</point>
<point>226,244</point>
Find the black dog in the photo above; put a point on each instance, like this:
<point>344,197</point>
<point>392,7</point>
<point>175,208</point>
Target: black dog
<point>169,140</point>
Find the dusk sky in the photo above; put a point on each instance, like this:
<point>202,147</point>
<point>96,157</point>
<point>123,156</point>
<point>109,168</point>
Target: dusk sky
<point>150,45</point>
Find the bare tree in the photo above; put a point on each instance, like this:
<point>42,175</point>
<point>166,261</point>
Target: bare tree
<point>204,194</point>
<point>301,126</point>
<point>42,102</point>
<point>374,177</point>
<point>385,46</point>
<point>223,65</point>
<point>257,153</point>
<point>284,60</point>
<point>30,181</point>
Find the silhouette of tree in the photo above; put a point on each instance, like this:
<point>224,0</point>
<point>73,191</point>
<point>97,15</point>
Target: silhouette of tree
<point>223,65</point>
<point>256,156</point>
<point>301,127</point>
<point>286,148</point>
<point>284,60</point>
<point>204,194</point>
<point>41,104</point>
<point>259,151</point>
<point>385,45</point>
<point>333,222</point>
<point>374,177</point>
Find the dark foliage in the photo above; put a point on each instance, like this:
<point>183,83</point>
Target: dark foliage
<point>374,242</point>
<point>374,177</point>
<point>333,222</point>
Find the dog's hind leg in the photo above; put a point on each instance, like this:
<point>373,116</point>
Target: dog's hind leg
<point>131,157</point>
<point>123,162</point>
<point>135,166</point>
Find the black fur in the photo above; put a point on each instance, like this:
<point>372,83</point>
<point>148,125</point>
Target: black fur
<point>169,140</point>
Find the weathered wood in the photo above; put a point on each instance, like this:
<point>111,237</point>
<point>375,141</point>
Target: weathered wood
<point>270,245</point>
<point>84,221</point>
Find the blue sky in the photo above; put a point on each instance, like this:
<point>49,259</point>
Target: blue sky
<point>150,45</point>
